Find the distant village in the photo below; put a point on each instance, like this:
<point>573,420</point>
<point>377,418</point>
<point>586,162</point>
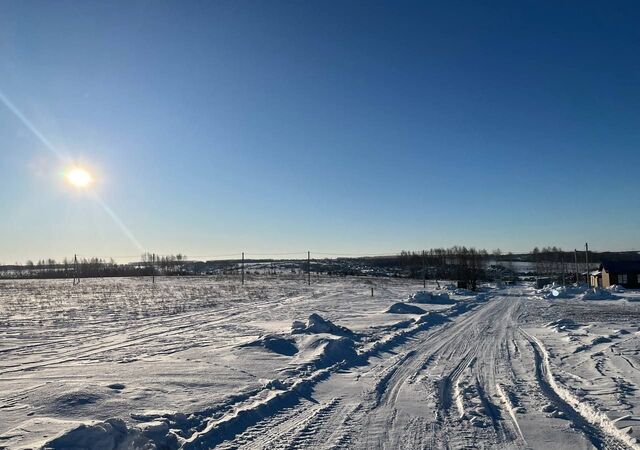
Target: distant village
<point>466,265</point>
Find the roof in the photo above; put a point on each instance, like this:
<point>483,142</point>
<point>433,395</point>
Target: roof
<point>621,266</point>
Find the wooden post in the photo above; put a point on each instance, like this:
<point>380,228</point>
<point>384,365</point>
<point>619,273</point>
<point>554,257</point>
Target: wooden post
<point>575,256</point>
<point>153,268</point>
<point>242,268</point>
<point>309,268</point>
<point>586,260</point>
<point>372,291</point>
<point>76,276</point>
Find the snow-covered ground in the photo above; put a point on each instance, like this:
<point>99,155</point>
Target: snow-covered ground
<point>196,363</point>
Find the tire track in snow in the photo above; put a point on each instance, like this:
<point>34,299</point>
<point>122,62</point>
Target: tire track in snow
<point>595,425</point>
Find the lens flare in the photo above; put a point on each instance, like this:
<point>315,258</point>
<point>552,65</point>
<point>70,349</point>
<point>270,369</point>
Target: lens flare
<point>79,177</point>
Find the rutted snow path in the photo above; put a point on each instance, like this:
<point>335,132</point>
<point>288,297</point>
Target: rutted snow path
<point>475,374</point>
<point>468,384</point>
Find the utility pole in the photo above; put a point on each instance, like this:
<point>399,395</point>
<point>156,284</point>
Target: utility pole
<point>76,276</point>
<point>575,255</point>
<point>153,268</point>
<point>242,268</point>
<point>309,268</point>
<point>586,259</point>
<point>424,271</point>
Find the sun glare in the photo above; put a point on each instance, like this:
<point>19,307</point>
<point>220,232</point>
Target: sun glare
<point>79,177</point>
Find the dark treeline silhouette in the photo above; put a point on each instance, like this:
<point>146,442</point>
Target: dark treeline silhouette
<point>96,267</point>
<point>465,264</point>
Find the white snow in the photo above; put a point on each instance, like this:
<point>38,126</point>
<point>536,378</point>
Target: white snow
<point>433,298</point>
<point>194,363</point>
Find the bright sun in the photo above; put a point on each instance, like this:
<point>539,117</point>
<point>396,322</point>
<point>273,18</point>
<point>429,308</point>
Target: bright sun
<point>79,177</point>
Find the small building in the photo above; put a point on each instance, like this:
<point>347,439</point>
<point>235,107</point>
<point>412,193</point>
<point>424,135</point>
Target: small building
<point>623,273</point>
<point>595,278</point>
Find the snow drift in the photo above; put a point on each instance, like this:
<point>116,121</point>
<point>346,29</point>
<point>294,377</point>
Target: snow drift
<point>317,324</point>
<point>598,294</point>
<point>403,308</point>
<point>432,298</point>
<point>276,344</point>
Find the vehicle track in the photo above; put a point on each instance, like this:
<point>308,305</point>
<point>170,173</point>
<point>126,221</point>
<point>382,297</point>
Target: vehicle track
<point>452,386</point>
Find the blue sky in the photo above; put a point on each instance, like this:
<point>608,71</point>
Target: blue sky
<point>349,127</point>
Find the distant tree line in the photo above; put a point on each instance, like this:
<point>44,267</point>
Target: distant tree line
<point>96,267</point>
<point>465,264</point>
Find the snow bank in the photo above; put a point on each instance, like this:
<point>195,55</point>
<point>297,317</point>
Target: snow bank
<point>403,308</point>
<point>432,298</point>
<point>598,294</point>
<point>556,291</point>
<point>563,325</point>
<point>276,344</point>
<point>462,291</point>
<point>317,324</point>
<point>616,288</point>
<point>113,434</point>
<point>324,351</point>
<point>432,318</point>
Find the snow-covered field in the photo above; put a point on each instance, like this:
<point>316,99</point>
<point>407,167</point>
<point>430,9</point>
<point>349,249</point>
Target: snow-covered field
<point>197,363</point>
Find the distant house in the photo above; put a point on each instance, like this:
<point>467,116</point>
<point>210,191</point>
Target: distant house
<point>623,273</point>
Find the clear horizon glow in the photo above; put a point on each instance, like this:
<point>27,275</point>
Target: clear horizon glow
<point>347,128</point>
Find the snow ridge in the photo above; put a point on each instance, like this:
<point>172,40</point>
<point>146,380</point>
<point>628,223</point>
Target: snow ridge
<point>211,430</point>
<point>585,409</point>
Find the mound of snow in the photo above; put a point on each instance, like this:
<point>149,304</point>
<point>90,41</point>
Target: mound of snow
<point>404,308</point>
<point>563,325</point>
<point>432,298</point>
<point>556,291</point>
<point>276,344</point>
<point>111,434</point>
<point>432,318</point>
<point>598,294</point>
<point>595,341</point>
<point>462,291</point>
<point>600,340</point>
<point>317,324</point>
<point>323,351</point>
<point>616,288</point>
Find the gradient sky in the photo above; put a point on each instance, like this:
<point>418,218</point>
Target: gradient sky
<point>347,127</point>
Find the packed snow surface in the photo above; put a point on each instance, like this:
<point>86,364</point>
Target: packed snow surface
<point>199,363</point>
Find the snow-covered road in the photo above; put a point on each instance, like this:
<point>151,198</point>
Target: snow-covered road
<point>203,363</point>
<point>469,384</point>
